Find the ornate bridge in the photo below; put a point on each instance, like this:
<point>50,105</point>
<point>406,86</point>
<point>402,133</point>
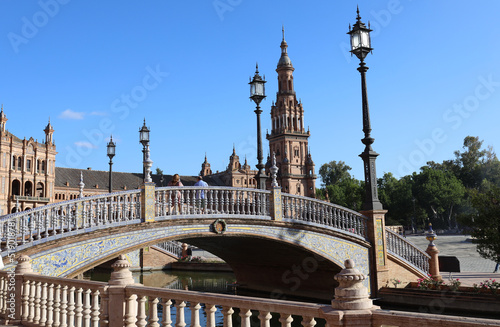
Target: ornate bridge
<point>296,242</point>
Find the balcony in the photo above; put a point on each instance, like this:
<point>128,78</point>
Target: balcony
<point>30,198</point>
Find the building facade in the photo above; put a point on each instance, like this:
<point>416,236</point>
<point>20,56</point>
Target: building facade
<point>27,170</point>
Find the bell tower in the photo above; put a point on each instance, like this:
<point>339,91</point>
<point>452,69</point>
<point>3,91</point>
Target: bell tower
<point>288,138</point>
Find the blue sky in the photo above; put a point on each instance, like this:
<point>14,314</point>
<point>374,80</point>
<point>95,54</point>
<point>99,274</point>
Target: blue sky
<point>100,67</point>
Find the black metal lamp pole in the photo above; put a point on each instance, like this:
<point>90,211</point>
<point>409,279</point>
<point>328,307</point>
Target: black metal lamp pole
<point>360,46</point>
<point>144,140</point>
<point>257,94</point>
<point>111,153</point>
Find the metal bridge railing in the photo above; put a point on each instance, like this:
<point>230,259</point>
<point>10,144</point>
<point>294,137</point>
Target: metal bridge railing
<point>324,213</point>
<point>406,251</point>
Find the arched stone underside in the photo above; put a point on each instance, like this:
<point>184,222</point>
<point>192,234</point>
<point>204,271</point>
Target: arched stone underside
<point>288,258</point>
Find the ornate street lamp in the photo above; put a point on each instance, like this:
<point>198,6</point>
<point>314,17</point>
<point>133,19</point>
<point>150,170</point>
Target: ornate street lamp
<point>257,94</point>
<point>361,46</point>
<point>144,140</point>
<point>111,153</point>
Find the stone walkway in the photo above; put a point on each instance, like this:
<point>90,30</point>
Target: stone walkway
<point>474,269</point>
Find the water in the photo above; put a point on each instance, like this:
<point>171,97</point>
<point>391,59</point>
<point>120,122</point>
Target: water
<point>213,282</point>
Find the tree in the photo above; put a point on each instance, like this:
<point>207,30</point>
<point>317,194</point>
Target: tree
<point>159,172</point>
<point>438,192</point>
<point>486,221</point>
<point>333,173</point>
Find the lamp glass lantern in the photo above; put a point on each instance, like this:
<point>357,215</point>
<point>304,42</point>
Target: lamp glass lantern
<point>111,148</point>
<point>144,134</point>
<point>257,88</point>
<point>360,39</point>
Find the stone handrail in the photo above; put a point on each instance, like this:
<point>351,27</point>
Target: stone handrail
<point>52,221</point>
<point>34,300</point>
<point>324,213</point>
<point>172,247</point>
<point>407,251</point>
<point>193,200</point>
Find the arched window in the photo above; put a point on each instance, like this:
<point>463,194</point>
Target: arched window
<point>43,166</point>
<point>13,210</point>
<point>19,163</point>
<point>16,187</point>
<point>39,189</point>
<point>14,159</point>
<point>290,84</point>
<point>28,188</point>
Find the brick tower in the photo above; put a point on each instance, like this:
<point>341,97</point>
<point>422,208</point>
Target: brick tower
<point>288,138</point>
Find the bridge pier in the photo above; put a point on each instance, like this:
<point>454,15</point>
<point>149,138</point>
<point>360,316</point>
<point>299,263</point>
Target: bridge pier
<point>376,235</point>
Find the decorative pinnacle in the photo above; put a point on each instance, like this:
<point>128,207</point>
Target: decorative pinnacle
<point>274,171</point>
<point>357,11</point>
<point>283,32</point>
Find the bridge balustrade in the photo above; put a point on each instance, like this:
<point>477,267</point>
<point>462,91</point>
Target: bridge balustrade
<point>55,220</point>
<point>172,247</point>
<point>324,213</point>
<point>192,200</point>
<point>407,251</point>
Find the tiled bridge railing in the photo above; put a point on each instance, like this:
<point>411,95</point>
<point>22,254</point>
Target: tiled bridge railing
<point>407,251</point>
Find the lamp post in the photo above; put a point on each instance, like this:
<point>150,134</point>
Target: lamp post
<point>360,46</point>
<point>257,94</point>
<point>111,153</point>
<point>144,140</point>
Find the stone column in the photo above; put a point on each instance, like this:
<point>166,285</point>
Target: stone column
<point>23,267</point>
<point>379,270</point>
<point>148,202</point>
<point>433,251</point>
<point>119,279</point>
<point>276,203</point>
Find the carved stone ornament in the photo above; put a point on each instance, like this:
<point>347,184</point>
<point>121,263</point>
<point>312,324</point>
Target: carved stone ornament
<point>219,226</point>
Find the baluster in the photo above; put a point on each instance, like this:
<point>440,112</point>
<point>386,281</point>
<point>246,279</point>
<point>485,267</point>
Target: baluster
<point>210,312</point>
<point>195,314</point>
<point>216,200</point>
<point>57,305</point>
<point>71,307</point>
<point>32,301</point>
<point>64,306</point>
<point>167,318</point>
<point>265,318</point>
<point>232,194</point>
<point>43,305</point>
<point>179,306</point>
<point>153,312</point>
<point>228,313</point>
<point>245,317</point>
<point>3,295</point>
<point>286,320</point>
<point>103,312</point>
<point>86,308</point>
<point>38,296</point>
<point>50,306</point>
<point>78,307</point>
<point>141,312</point>
<point>130,311</point>
<point>39,225</point>
<point>95,309</point>
<point>308,322</point>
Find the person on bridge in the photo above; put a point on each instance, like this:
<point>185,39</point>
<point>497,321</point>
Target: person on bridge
<point>200,195</point>
<point>176,181</point>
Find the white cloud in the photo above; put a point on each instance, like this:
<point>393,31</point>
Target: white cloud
<point>70,114</point>
<point>85,144</point>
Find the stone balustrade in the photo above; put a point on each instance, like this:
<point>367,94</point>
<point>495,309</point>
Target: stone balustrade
<point>29,299</point>
<point>407,251</point>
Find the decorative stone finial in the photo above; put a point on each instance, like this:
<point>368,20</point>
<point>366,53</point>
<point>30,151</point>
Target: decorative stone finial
<point>121,274</point>
<point>23,265</point>
<point>430,236</point>
<point>351,294</point>
<point>274,172</point>
<point>81,185</point>
<point>148,163</point>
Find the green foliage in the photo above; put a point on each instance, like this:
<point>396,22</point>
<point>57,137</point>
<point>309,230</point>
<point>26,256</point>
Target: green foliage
<point>342,189</point>
<point>159,171</point>
<point>334,172</point>
<point>486,221</point>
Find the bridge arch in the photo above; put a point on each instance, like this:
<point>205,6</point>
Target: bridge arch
<point>277,257</point>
